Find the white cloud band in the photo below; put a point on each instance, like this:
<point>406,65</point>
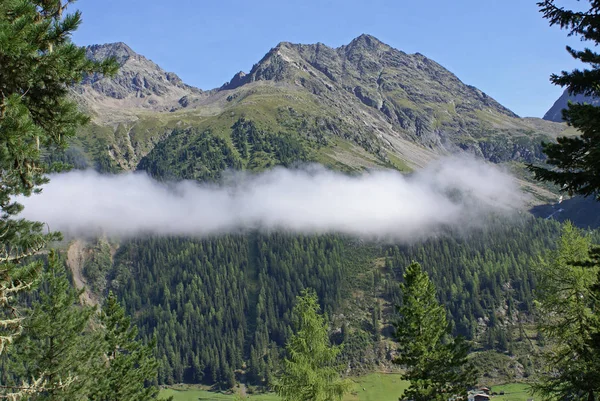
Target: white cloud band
<point>451,192</point>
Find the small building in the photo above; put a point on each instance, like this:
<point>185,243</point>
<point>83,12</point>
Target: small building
<point>481,397</point>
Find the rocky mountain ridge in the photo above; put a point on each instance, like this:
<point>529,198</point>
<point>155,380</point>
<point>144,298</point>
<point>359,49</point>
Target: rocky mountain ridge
<point>357,106</point>
<point>414,94</point>
<point>378,67</point>
<point>139,83</point>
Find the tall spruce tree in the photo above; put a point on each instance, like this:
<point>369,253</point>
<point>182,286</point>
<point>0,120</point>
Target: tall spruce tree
<point>311,371</point>
<point>568,297</point>
<point>436,364</point>
<point>58,345</point>
<point>576,160</point>
<point>128,365</point>
<point>39,63</point>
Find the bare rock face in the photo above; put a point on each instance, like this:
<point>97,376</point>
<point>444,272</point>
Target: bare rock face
<point>139,82</point>
<point>238,80</point>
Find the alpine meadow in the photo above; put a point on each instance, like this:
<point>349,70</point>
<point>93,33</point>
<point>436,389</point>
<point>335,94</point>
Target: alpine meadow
<point>338,223</point>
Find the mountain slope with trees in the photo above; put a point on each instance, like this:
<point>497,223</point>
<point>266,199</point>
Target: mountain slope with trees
<point>220,307</point>
<point>220,310</point>
<point>359,106</point>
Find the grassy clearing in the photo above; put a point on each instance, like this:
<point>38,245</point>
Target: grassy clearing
<point>372,387</point>
<point>192,393</point>
<point>377,387</point>
<point>512,392</point>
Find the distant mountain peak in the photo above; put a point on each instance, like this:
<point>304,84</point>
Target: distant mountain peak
<point>139,82</point>
<point>235,82</point>
<point>555,112</point>
<point>371,70</point>
<point>119,50</point>
<point>366,41</point>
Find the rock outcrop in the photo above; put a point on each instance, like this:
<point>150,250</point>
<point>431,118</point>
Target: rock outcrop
<point>140,83</point>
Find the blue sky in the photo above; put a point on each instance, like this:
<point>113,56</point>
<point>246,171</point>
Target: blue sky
<point>503,47</point>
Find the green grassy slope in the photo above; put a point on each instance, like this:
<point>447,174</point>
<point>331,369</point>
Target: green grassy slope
<point>512,392</point>
<point>293,114</point>
<point>371,387</point>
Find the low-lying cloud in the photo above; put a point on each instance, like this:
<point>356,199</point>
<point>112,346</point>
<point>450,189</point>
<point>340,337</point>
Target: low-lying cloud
<point>450,193</point>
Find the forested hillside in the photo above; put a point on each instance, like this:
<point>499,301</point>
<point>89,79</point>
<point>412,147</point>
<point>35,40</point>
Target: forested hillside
<point>220,307</point>
<point>204,156</point>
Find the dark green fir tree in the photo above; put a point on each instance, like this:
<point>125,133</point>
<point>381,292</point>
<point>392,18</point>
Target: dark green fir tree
<point>575,160</point>
<point>39,63</point>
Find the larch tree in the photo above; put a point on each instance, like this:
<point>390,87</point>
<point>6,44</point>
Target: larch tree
<point>311,371</point>
<point>39,63</point>
<point>575,160</point>
<point>436,364</point>
<point>568,297</point>
<point>128,365</point>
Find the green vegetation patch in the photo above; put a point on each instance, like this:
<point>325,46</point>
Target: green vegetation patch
<point>378,387</point>
<point>512,392</point>
<point>371,387</point>
<point>198,394</point>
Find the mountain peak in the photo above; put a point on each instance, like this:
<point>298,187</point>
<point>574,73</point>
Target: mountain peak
<point>235,82</point>
<point>139,82</point>
<point>382,100</point>
<point>366,41</point>
<point>555,112</point>
<point>380,76</point>
<point>119,50</point>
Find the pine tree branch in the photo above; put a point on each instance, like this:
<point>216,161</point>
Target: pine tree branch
<point>6,257</point>
<point>37,386</point>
